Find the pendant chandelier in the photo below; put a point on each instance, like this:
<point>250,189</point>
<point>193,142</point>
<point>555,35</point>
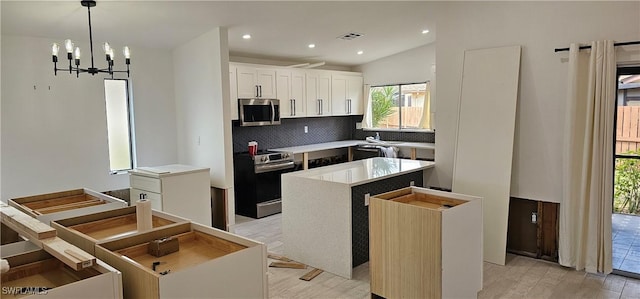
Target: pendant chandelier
<point>73,53</point>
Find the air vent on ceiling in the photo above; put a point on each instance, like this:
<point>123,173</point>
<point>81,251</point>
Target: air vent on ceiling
<point>350,36</point>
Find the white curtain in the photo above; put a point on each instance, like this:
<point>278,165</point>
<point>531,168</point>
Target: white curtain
<point>585,211</point>
<point>367,120</point>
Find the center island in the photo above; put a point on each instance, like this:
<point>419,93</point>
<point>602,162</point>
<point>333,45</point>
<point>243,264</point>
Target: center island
<point>325,213</point>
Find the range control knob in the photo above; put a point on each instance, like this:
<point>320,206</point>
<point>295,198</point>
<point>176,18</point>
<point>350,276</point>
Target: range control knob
<point>285,155</point>
<point>264,159</point>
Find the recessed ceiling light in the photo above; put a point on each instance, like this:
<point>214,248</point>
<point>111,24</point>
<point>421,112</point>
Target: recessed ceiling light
<point>360,52</point>
<point>311,46</point>
<point>425,31</point>
<point>246,36</point>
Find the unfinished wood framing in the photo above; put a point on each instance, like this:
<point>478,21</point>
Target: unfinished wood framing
<point>39,269</point>
<point>65,204</point>
<point>87,230</point>
<point>210,261</point>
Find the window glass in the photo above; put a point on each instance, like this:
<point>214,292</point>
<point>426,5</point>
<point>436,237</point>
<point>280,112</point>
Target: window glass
<point>413,103</point>
<point>399,106</point>
<point>385,107</point>
<point>118,124</point>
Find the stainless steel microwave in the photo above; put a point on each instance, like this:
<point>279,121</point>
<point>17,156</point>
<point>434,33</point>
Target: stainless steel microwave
<point>259,112</point>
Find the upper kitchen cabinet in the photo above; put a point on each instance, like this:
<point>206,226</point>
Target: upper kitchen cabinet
<point>290,90</point>
<point>256,82</point>
<point>346,95</point>
<point>318,93</point>
<point>233,92</point>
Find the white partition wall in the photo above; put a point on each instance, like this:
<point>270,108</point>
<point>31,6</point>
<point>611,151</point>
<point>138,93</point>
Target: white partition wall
<point>484,146</point>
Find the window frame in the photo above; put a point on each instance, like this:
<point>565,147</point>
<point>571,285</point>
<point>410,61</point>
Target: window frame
<point>400,100</point>
<point>130,126</point>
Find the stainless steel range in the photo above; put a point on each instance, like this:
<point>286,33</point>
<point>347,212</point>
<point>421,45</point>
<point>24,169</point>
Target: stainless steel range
<point>257,182</point>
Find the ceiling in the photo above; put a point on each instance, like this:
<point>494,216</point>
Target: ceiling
<point>280,30</point>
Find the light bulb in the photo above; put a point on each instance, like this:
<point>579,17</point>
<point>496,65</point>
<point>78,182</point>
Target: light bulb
<point>111,53</point>
<point>68,44</point>
<point>77,53</point>
<point>106,48</point>
<point>55,49</point>
<point>126,52</point>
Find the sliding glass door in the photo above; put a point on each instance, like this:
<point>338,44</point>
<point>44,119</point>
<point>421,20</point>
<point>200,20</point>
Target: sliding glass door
<point>626,201</point>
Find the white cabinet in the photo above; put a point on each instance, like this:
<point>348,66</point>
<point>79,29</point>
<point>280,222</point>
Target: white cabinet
<point>290,90</point>
<point>318,93</point>
<point>302,93</point>
<point>346,95</point>
<point>256,82</point>
<point>181,190</point>
<point>233,92</point>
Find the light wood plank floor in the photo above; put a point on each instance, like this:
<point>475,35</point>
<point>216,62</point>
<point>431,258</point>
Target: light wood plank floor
<point>521,277</point>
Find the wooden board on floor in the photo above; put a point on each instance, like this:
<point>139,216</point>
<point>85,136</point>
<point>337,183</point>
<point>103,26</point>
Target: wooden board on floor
<point>278,257</point>
<point>311,274</point>
<point>292,265</point>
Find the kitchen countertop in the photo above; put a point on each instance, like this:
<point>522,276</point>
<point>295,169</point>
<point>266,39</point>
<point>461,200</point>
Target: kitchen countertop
<point>348,143</point>
<point>362,171</point>
<point>166,170</point>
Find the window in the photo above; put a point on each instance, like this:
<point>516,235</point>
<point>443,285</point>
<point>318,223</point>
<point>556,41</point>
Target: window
<point>116,94</point>
<point>399,106</point>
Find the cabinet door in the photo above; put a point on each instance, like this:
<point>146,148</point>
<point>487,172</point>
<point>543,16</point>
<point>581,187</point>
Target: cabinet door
<point>283,93</point>
<point>233,92</point>
<point>339,103</point>
<point>354,95</point>
<point>266,81</point>
<point>298,94</point>
<point>247,82</point>
<point>313,101</point>
<point>346,95</point>
<point>324,93</point>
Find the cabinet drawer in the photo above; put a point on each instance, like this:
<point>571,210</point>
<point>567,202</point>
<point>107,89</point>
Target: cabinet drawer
<point>146,183</point>
<point>155,198</point>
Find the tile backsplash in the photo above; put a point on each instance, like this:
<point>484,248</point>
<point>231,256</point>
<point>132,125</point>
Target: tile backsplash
<point>291,132</point>
<point>320,129</point>
<point>398,136</point>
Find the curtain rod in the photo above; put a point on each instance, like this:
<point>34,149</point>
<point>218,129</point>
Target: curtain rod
<point>383,85</point>
<point>589,47</point>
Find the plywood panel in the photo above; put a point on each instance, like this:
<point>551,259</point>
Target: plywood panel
<point>484,146</point>
<point>405,250</point>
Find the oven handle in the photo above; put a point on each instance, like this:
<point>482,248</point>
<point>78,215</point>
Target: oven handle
<point>274,167</point>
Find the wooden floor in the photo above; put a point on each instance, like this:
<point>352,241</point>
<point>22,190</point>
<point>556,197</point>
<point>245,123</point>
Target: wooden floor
<point>521,277</point>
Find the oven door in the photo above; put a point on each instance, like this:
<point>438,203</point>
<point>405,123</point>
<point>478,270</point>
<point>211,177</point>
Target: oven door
<point>269,187</point>
<point>259,112</point>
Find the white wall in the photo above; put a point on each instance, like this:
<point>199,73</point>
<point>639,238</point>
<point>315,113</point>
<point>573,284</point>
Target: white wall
<point>54,133</point>
<point>539,27</point>
<point>202,98</point>
<point>411,66</point>
<point>0,108</point>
